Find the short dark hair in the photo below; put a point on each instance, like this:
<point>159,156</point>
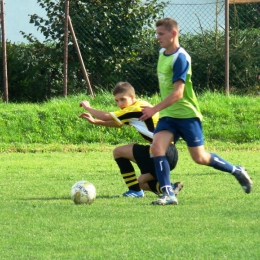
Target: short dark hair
<point>168,23</point>
<point>123,87</point>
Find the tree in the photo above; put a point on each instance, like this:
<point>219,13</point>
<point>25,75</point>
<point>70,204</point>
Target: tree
<point>244,45</point>
<point>32,75</point>
<point>111,34</point>
<point>240,14</point>
<point>207,50</point>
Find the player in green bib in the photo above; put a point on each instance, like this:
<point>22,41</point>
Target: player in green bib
<point>180,114</point>
<point>187,106</point>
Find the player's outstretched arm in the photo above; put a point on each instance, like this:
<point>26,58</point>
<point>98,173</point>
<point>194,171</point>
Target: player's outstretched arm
<point>105,116</point>
<point>90,119</point>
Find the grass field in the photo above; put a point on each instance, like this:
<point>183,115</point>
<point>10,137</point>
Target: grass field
<point>215,219</point>
<point>45,148</point>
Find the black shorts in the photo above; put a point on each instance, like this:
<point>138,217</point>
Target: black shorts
<point>145,162</point>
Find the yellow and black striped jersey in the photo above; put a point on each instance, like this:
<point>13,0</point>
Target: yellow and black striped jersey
<point>130,116</point>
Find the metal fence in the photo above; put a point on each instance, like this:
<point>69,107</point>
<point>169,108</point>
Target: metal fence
<point>117,41</point>
<point>202,34</point>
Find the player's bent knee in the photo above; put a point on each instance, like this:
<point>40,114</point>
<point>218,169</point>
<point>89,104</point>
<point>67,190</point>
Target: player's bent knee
<point>116,152</point>
<point>155,150</point>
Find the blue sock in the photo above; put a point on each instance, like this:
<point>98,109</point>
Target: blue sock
<point>220,164</point>
<point>163,174</point>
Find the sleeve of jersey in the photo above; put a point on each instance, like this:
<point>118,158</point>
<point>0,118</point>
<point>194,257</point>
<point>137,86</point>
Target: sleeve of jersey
<point>115,115</point>
<point>180,68</point>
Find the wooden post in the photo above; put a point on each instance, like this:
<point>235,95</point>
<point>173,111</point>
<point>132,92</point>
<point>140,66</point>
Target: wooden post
<point>85,74</point>
<point>5,78</point>
<point>65,64</point>
<point>227,47</point>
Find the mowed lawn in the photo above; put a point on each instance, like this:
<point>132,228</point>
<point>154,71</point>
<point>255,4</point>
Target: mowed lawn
<point>215,219</point>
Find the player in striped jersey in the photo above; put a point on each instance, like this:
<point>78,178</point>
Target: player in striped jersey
<point>129,114</point>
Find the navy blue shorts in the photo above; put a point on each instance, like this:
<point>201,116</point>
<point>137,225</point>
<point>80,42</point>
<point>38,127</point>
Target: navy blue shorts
<point>189,129</point>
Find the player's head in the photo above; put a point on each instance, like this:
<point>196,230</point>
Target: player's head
<point>167,30</point>
<point>124,94</point>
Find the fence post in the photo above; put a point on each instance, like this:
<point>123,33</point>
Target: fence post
<point>5,78</point>
<point>85,74</point>
<point>65,64</point>
<point>227,47</point>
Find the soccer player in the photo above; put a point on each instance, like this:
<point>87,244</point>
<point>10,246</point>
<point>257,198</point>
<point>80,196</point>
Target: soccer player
<point>129,114</point>
<point>180,114</point>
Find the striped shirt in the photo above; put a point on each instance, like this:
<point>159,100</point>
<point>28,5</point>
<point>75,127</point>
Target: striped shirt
<point>130,116</point>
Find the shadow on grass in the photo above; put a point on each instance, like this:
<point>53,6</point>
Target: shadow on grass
<point>68,198</point>
<point>44,198</point>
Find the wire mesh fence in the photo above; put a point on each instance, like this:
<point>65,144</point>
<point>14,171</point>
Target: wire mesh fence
<point>117,42</point>
<point>117,47</point>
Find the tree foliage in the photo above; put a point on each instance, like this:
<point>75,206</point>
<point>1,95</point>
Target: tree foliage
<point>207,50</point>
<point>111,34</point>
<point>208,62</point>
<point>239,14</point>
<point>117,42</point>
<point>32,74</point>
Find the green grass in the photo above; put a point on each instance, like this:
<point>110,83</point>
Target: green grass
<point>215,219</point>
<point>45,148</point>
<point>233,119</point>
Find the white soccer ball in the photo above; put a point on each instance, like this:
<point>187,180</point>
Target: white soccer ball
<point>83,192</point>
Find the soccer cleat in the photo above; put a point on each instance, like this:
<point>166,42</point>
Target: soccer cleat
<point>166,200</point>
<point>177,187</point>
<point>134,194</point>
<point>243,178</point>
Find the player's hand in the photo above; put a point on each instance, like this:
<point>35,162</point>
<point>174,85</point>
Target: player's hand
<point>88,117</point>
<point>147,113</point>
<point>85,104</point>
